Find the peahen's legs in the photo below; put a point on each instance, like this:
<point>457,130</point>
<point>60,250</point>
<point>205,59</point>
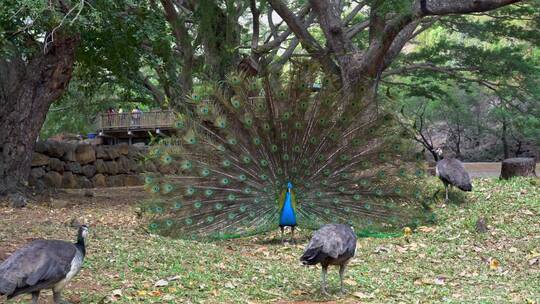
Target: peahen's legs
<point>341,274</point>
<point>446,189</point>
<point>323,279</point>
<point>57,297</point>
<point>35,297</point>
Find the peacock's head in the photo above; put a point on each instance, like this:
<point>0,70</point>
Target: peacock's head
<point>289,186</point>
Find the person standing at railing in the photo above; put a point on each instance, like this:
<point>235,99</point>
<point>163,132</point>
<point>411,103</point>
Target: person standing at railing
<point>136,116</point>
<point>110,116</point>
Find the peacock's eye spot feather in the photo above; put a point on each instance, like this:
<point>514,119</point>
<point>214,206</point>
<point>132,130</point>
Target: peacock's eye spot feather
<point>186,165</point>
<point>257,141</point>
<point>218,206</point>
<point>189,221</point>
<point>168,223</point>
<point>205,172</point>
<point>190,191</point>
<point>341,189</point>
<point>285,157</point>
<point>167,159</point>
<point>335,200</point>
<point>231,216</point>
<point>247,190</point>
<point>318,194</point>
<point>242,177</point>
<point>279,171</point>
<point>210,219</point>
<point>197,204</point>
<point>297,149</point>
<point>264,163</point>
<point>264,177</point>
<point>226,163</point>
<point>225,181</point>
<point>177,205</point>
<point>283,135</point>
<point>273,148</point>
<point>154,226</point>
<point>167,188</point>
<point>231,197</point>
<point>246,159</point>
<point>367,206</point>
<point>208,192</point>
<point>324,182</point>
<point>155,189</point>
<point>179,124</point>
<point>158,209</point>
<point>356,197</point>
<point>232,141</point>
<point>149,179</point>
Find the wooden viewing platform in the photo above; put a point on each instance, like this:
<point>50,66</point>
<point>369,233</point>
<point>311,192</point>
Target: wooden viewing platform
<point>134,127</point>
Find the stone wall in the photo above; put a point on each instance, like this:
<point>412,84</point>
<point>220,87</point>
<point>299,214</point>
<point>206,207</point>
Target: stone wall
<point>57,164</point>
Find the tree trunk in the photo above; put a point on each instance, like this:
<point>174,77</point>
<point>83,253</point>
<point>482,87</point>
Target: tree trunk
<point>520,166</point>
<point>27,89</point>
<point>504,138</point>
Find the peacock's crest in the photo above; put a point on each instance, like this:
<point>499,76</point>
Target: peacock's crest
<point>241,145</point>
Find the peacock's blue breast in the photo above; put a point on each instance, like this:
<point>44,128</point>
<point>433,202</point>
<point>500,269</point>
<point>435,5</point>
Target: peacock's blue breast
<point>288,216</point>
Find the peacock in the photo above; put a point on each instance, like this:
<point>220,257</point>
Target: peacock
<point>255,154</point>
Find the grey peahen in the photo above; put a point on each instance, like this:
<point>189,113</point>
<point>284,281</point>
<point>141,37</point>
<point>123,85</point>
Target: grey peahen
<point>451,172</point>
<point>42,264</point>
<point>259,154</point>
<point>333,244</point>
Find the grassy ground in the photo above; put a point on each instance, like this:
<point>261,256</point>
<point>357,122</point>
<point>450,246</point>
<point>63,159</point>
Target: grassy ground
<point>448,262</point>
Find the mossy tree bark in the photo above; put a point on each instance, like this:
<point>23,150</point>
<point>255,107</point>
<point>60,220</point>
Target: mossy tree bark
<point>28,86</point>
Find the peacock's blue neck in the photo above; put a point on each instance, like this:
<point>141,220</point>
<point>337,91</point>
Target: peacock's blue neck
<point>287,216</point>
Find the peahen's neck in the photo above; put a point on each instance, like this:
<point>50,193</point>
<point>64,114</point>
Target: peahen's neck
<point>81,243</point>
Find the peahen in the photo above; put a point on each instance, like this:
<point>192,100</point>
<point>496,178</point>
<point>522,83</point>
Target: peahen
<point>43,264</point>
<point>258,154</point>
<point>452,173</point>
<point>333,244</point>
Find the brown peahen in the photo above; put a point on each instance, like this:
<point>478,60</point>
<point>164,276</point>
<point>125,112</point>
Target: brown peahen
<point>261,153</point>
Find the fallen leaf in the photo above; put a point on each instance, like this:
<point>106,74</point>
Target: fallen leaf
<point>156,293</point>
<point>161,283</point>
<point>440,281</point>
<point>173,278</point>
<point>513,249</point>
<point>141,293</point>
<point>229,285</point>
<point>362,295</point>
<point>350,282</point>
<point>494,264</point>
<point>425,229</point>
<point>407,231</point>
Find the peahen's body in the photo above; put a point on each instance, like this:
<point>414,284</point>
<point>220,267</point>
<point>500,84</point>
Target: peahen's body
<point>452,173</point>
<point>242,153</point>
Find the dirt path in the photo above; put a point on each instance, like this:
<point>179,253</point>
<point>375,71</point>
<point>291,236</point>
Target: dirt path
<point>487,169</point>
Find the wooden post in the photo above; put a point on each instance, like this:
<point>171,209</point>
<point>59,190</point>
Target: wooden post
<point>520,166</point>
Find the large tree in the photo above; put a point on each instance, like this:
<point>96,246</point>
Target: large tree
<point>387,26</point>
<point>36,64</point>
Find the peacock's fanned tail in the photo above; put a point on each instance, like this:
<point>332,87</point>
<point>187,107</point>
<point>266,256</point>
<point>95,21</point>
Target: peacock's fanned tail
<point>347,160</point>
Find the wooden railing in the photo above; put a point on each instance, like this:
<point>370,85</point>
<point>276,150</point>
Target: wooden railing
<point>132,121</point>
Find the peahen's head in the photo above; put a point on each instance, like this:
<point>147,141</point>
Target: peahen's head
<point>439,153</point>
